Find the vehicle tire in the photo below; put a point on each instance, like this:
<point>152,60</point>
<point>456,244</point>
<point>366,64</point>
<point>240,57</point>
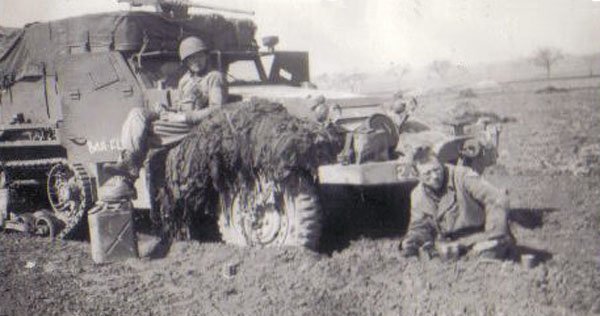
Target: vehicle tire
<point>287,214</point>
<point>45,224</point>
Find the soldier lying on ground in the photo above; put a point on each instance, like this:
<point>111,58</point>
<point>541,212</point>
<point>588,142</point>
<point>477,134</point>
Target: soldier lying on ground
<point>453,210</point>
<point>199,93</point>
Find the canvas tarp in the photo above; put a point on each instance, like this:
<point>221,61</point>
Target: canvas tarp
<point>24,52</point>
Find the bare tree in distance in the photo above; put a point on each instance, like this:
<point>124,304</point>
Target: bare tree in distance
<point>399,70</point>
<point>356,81</point>
<point>591,61</point>
<point>347,81</point>
<point>546,57</point>
<point>440,67</point>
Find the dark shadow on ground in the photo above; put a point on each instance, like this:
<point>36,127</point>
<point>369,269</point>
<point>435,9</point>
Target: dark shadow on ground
<point>161,250</point>
<point>152,234</point>
<point>373,212</point>
<point>541,256</point>
<point>529,217</point>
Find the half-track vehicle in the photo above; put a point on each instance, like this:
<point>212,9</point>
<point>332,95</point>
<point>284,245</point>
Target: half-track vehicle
<point>67,86</point>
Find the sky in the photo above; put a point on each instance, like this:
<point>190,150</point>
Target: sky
<point>366,35</point>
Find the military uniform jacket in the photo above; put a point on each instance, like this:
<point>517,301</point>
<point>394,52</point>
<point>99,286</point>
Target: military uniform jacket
<point>467,202</point>
<point>195,93</point>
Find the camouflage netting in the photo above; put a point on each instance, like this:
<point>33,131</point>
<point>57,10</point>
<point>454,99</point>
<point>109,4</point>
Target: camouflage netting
<point>230,148</point>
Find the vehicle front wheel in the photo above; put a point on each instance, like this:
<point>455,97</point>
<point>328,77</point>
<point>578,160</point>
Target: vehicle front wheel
<point>270,214</point>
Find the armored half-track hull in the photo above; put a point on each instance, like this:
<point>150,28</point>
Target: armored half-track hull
<point>67,87</point>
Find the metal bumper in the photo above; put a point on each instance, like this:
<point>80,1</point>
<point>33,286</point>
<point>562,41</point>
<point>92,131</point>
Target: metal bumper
<point>372,173</point>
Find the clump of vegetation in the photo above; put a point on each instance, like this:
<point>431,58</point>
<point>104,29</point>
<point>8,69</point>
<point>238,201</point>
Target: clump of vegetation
<point>552,89</point>
<point>467,93</point>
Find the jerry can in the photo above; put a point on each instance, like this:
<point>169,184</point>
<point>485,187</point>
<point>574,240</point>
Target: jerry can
<point>112,236</point>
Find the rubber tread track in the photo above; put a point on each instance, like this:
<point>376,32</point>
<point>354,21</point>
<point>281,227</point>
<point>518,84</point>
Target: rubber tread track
<point>76,218</point>
<point>83,179</point>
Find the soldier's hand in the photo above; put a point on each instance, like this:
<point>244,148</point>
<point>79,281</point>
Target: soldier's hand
<point>409,252</point>
<point>173,117</point>
<point>163,108</point>
<point>408,249</point>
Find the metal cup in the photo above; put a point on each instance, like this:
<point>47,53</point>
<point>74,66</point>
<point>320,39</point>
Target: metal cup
<point>528,261</point>
<point>449,251</point>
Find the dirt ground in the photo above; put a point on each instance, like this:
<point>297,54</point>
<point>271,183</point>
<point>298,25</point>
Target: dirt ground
<point>549,163</point>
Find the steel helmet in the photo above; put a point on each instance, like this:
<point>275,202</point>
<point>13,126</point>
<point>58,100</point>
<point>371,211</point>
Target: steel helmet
<point>191,45</point>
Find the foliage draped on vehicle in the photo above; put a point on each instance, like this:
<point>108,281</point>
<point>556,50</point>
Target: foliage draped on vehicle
<point>231,148</point>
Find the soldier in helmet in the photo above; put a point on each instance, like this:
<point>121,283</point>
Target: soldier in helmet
<point>199,92</point>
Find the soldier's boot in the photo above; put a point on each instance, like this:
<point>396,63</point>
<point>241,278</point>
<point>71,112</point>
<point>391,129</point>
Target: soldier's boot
<point>499,248</point>
<point>117,189</point>
<point>128,165</point>
<point>125,171</point>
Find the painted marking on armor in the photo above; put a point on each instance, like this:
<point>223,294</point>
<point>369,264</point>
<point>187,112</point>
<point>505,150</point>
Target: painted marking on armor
<point>104,146</point>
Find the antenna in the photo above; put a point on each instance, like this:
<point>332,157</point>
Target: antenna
<point>180,7</point>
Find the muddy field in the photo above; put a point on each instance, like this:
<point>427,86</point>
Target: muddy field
<point>549,163</point>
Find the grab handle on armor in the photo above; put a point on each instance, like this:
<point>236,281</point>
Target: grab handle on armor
<point>81,141</point>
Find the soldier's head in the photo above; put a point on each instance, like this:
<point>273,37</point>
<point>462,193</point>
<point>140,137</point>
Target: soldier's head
<point>193,53</point>
<point>398,106</point>
<point>429,169</point>
<point>320,109</point>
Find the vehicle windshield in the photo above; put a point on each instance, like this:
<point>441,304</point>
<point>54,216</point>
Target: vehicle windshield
<point>240,69</point>
<point>246,71</point>
<point>165,71</point>
<point>157,72</point>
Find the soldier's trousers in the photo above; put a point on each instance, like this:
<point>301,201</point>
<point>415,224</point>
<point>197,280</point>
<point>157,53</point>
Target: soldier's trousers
<point>143,130</point>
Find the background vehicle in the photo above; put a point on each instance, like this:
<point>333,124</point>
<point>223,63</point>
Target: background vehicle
<point>68,85</point>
